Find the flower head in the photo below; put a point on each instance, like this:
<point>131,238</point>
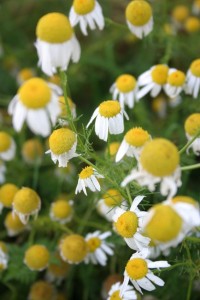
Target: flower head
<point>192,128</point>
<point>13,224</point>
<point>3,256</point>
<point>113,148</point>
<point>7,146</point>
<point>37,258</point>
<point>40,290</point>
<point>175,83</point>
<point>61,211</point>
<point>120,292</point>
<point>63,115</point>
<point>7,194</point>
<point>193,78</point>
<point>192,24</point>
<point>32,151</point>
<point>24,74</point>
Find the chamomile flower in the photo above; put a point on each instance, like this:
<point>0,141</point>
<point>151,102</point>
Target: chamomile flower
<point>193,78</point>
<point>88,178</point>
<point>13,224</point>
<point>158,162</point>
<point>175,83</point>
<point>128,224</point>
<point>62,118</point>
<point>2,171</point>
<point>125,90</point>
<point>40,290</point>
<point>7,194</point>
<point>98,248</point>
<point>120,292</point>
<point>39,109</point>
<point>32,151</point>
<point>61,211</point>
<point>192,127</point>
<point>24,74</point>
<point>62,144</point>
<point>108,282</point>
<point>196,7</point>
<point>7,146</point>
<point>26,202</point>
<point>113,148</point>
<point>179,15</point>
<point>139,18</point>
<point>159,106</point>
<point>133,142</point>
<point>3,256</point>
<point>109,119</point>
<point>86,13</point>
<point>56,43</point>
<point>37,258</point>
<point>138,271</point>
<point>192,24</point>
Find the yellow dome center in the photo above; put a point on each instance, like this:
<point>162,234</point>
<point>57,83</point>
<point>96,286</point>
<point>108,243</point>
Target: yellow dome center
<point>61,209</point>
<point>195,67</point>
<point>138,12</point>
<point>126,83</point>
<point>37,257</point>
<point>112,197</point>
<point>192,124</point>
<point>127,224</point>
<point>26,201</point>
<point>93,244</point>
<point>87,172</point>
<point>7,193</point>
<point>165,224</point>
<point>136,268</point>
<point>176,78</point>
<point>137,137</point>
<point>115,296</point>
<point>109,109</point>
<point>13,222</point>
<point>160,157</point>
<point>113,148</point>
<point>158,103</point>
<point>5,141</point>
<point>32,149</point>
<point>62,140</point>
<point>159,74</point>
<point>192,24</point>
<point>34,93</point>
<point>83,7</point>
<point>54,28</point>
<point>41,290</point>
<point>74,248</point>
<point>25,74</point>
<point>63,106</point>
<point>185,199</point>
<point>180,13</point>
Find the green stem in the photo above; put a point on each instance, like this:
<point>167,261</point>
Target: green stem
<point>129,195</point>
<point>83,222</point>
<point>36,174</point>
<point>189,287</point>
<point>191,167</point>
<point>189,142</point>
<point>115,24</point>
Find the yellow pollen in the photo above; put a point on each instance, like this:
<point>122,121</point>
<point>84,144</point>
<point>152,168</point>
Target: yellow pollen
<point>137,137</point>
<point>37,257</point>
<point>136,268</point>
<point>13,223</point>
<point>41,290</point>
<point>138,12</point>
<point>195,67</point>
<point>127,224</point>
<point>7,193</point>
<point>5,141</point>
<point>61,209</point>
<point>73,248</point>
<point>93,244</point>
<point>112,197</point>
<point>64,107</point>
<point>32,149</point>
<point>109,109</point>
<point>192,124</point>
<point>176,78</point>
<point>86,173</point>
<point>126,83</point>
<point>60,268</point>
<point>3,247</point>
<point>159,74</point>
<point>25,74</point>
<point>113,148</point>
<point>192,24</point>
<point>160,157</point>
<point>164,225</point>
<point>185,199</point>
<point>26,201</point>
<point>180,13</point>
<point>34,93</point>
<point>115,296</point>
<point>83,7</point>
<point>62,140</point>
<point>54,28</point>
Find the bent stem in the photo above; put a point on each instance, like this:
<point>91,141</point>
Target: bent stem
<point>189,143</point>
<point>191,167</point>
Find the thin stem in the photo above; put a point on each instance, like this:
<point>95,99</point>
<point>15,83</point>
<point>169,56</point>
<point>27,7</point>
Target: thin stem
<point>115,24</point>
<point>129,195</point>
<point>189,287</point>
<point>36,174</point>
<point>191,167</point>
<point>189,143</point>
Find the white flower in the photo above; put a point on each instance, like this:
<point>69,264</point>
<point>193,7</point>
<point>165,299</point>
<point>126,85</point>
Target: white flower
<point>7,146</point>
<point>56,43</point>
<point>109,119</point>
<point>193,78</point>
<point>87,14</point>
<point>98,248</point>
<point>175,83</point>
<point>118,291</point>
<point>192,128</point>
<point>88,178</point>
<point>3,256</point>
<point>2,171</point>
<point>61,211</point>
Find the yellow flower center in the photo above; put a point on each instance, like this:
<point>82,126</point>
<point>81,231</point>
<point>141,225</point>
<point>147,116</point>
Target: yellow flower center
<point>176,78</point>
<point>61,209</point>
<point>32,149</point>
<point>93,244</point>
<point>195,67</point>
<point>160,157</point>
<point>34,93</point>
<point>41,290</point>
<point>113,148</point>
<point>158,103</point>
<point>63,106</point>
<point>74,248</point>
<point>126,83</point>
<point>61,140</point>
<point>185,199</point>
<point>86,173</point>
<point>54,28</point>
<point>115,296</point>
<point>137,137</point>
<point>25,74</point>
<point>159,74</point>
<point>7,193</point>
<point>83,7</point>
<point>192,124</point>
<point>13,222</point>
<point>127,224</point>
<point>3,247</point>
<point>180,13</point>
<point>109,109</point>
<point>55,79</point>
<point>26,201</point>
<point>112,197</point>
<point>164,225</point>
<point>37,257</point>
<point>192,24</point>
<point>60,268</point>
<point>138,12</point>
<point>136,268</point>
<point>5,141</point>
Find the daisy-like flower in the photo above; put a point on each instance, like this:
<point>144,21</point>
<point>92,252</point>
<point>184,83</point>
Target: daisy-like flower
<point>196,7</point>
<point>109,119</point>
<point>39,109</point>
<point>179,15</point>
<point>7,194</point>
<point>40,288</point>
<point>98,248</point>
<point>7,146</point>
<point>158,162</point>
<point>138,271</point>
<point>192,24</point>
<point>153,81</point>
<point>192,128</point>
<point>128,224</point>
<point>159,106</point>
<point>61,211</point>
<point>56,43</point>
<point>139,18</point>
<point>175,83</point>
<point>62,144</point>
<point>193,78</point>
<point>24,74</point>
<point>88,178</point>
<point>112,149</point>
<point>62,118</point>
<point>37,258</point>
<point>32,151</point>
<point>13,224</point>
<point>2,171</point>
<point>120,292</point>
<point>86,13</point>
<point>125,89</point>
<point>133,142</point>
<point>3,256</point>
